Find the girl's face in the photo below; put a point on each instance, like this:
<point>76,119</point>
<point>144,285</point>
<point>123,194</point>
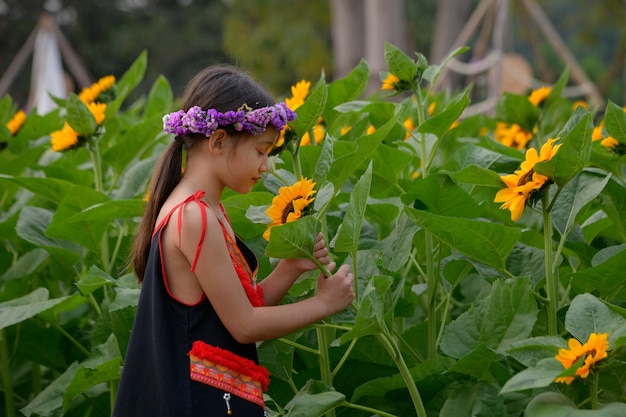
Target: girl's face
<point>249,159</point>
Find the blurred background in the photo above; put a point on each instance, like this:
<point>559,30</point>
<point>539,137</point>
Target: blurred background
<point>514,45</point>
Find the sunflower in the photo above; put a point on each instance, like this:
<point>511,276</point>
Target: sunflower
<point>537,96</point>
<point>290,204</point>
<point>525,181</point>
<point>63,139</point>
<point>390,82</point>
<point>16,122</point>
<point>91,93</point>
<point>299,92</point>
<point>513,135</point>
<point>319,131</point>
<point>593,351</point>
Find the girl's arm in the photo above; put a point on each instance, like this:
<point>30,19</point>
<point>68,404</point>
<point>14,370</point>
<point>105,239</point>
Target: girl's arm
<point>246,323</point>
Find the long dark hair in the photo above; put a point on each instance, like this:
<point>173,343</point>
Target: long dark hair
<point>220,87</point>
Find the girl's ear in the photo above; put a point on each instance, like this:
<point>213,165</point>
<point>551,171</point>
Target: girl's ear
<point>217,141</point>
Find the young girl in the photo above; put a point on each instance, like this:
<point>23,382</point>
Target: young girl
<point>192,349</point>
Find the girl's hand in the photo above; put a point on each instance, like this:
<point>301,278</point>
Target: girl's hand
<point>337,291</point>
<point>320,252</point>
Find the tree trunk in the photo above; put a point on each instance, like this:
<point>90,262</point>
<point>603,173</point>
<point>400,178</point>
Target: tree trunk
<point>347,35</point>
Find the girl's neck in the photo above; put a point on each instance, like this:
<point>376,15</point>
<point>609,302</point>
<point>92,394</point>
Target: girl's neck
<point>213,198</point>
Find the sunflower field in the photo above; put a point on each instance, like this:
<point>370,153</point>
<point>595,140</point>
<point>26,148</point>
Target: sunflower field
<point>489,251</point>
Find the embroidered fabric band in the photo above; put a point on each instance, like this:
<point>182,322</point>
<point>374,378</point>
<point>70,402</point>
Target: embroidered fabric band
<point>223,369</point>
<point>205,122</point>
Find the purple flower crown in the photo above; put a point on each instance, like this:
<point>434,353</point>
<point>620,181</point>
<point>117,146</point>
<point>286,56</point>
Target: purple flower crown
<point>205,122</point>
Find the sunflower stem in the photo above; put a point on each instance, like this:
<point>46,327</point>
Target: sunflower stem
<point>595,404</point>
<point>551,284</point>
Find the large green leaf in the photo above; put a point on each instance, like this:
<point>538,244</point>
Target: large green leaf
<point>474,399</point>
<point>542,375</point>
<point>50,401</point>
<point>579,192</point>
<point>88,234</point>
<point>399,64</point>
<point>615,121</point>
<point>514,108</point>
<point>102,366</point>
<point>604,279</point>
<point>554,404</point>
<point>127,83</point>
<point>294,239</point>
<point>79,116</point>
<point>52,189</point>
<point>587,314</point>
<point>160,98</point>
<point>346,89</point>
<point>506,315</point>
<point>613,203</point>
<point>348,158</point>
<point>313,400</point>
<point>440,123</point>
<point>441,196</point>
<point>311,110</point>
<point>23,308</point>
<point>573,155</point>
<point>347,239</point>
<point>486,242</point>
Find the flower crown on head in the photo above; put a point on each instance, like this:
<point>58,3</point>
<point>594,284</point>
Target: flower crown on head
<point>205,122</point>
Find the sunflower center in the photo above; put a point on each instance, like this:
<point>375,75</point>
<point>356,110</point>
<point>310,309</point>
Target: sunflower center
<point>288,209</point>
<point>526,177</point>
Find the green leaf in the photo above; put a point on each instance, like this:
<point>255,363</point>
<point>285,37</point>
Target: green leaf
<point>514,108</point>
<point>474,399</point>
<point>131,79</point>
<point>573,155</point>
<point>350,156</point>
<point>32,225</point>
<point>399,63</point>
<point>79,116</point>
<point>477,176</point>
<point>23,308</point>
<point>312,108</point>
<point>370,317</point>
<point>579,192</point>
<point>613,202</point>
<point>346,89</point>
<point>313,400</point>
<point>432,73</point>
<point>102,366</point>
<point>294,239</point>
<point>440,123</point>
<point>94,280</point>
<point>396,247</point>
<point>505,316</point>
<point>26,264</point>
<point>530,351</point>
<point>442,196</point>
<point>347,239</point>
<point>87,234</point>
<point>50,400</point>
<point>553,404</point>
<point>160,98</point>
<point>477,364</point>
<point>541,376</point>
<point>51,189</point>
<point>587,314</point>
<point>486,242</point>
<point>605,279</point>
<point>615,121</point>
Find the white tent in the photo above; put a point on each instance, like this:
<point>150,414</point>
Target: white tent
<point>49,50</point>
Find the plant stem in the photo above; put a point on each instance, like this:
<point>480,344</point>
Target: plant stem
<point>595,405</point>
<point>299,346</point>
<point>395,354</point>
<point>343,358</point>
<point>5,366</point>
<point>368,409</point>
<point>324,361</point>
<point>551,284</point>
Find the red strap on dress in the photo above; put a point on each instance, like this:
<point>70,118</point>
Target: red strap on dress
<point>197,197</point>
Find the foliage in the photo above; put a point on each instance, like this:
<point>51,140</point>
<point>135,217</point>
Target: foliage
<point>459,310</point>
